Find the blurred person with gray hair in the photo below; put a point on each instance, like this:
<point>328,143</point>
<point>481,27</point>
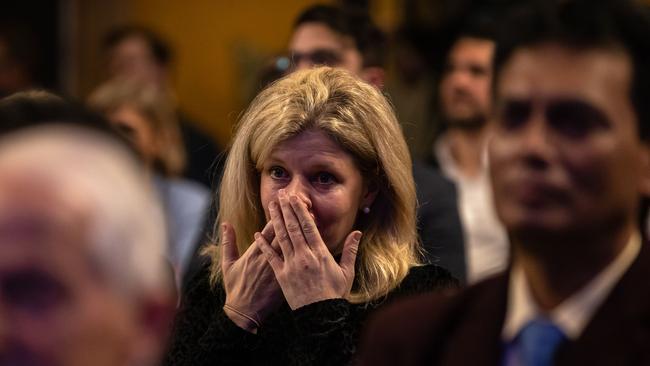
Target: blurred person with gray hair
<point>83,277</point>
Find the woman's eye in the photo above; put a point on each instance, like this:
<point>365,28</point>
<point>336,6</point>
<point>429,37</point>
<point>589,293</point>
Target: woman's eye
<point>277,173</point>
<point>325,178</point>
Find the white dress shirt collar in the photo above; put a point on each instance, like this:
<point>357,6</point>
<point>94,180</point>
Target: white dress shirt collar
<point>574,313</point>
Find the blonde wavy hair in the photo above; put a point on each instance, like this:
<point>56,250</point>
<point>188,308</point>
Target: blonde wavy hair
<point>157,107</point>
<point>362,122</point>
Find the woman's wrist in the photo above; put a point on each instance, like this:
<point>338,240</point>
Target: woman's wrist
<point>247,322</point>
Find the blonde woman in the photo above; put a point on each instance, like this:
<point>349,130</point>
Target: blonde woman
<point>316,229</point>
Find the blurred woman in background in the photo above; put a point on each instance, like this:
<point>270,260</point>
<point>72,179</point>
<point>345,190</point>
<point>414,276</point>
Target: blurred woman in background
<point>146,116</point>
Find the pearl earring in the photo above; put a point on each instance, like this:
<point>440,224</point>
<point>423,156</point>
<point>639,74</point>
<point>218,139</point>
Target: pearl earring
<point>366,210</point>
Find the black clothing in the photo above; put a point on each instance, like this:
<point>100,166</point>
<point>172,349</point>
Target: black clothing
<point>322,333</point>
<point>439,224</point>
<point>204,157</point>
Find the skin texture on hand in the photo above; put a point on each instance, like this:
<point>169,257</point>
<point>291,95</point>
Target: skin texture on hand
<point>307,272</point>
<point>248,280</point>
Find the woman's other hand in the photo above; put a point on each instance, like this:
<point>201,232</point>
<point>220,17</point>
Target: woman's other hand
<point>306,271</point>
<point>252,292</point>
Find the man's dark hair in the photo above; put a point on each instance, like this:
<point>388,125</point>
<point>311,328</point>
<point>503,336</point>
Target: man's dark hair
<point>368,38</point>
<point>585,24</point>
<point>481,25</point>
<point>157,45</point>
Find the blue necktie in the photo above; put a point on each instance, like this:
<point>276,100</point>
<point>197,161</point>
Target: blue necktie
<point>538,341</point>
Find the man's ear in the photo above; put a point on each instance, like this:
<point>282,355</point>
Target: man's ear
<point>374,75</point>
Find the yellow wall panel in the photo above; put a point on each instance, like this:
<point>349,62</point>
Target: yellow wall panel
<point>217,45</point>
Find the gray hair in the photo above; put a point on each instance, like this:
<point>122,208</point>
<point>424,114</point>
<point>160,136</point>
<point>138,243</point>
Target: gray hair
<point>125,222</point>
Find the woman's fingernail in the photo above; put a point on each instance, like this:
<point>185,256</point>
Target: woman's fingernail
<point>256,236</point>
<point>272,206</point>
<point>357,236</point>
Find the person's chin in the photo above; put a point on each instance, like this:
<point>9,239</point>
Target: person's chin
<point>528,220</point>
<point>467,121</point>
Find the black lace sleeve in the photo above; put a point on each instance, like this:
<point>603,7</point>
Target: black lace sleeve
<point>329,331</point>
<point>204,335</point>
<point>326,333</point>
<point>322,333</point>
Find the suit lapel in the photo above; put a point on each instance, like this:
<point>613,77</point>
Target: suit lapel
<point>477,339</point>
<point>619,333</point>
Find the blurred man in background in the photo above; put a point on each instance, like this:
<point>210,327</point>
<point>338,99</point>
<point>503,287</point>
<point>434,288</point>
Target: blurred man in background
<point>137,54</point>
<point>460,152</point>
<point>330,36</point>
<point>570,162</point>
<point>83,279</point>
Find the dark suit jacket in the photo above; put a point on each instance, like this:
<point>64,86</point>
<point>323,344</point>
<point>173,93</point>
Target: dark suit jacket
<point>465,328</point>
<point>439,224</point>
<point>204,157</point>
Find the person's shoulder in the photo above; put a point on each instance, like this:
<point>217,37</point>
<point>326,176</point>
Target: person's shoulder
<point>413,312</point>
<point>423,279</point>
<point>426,307</point>
<point>185,192</point>
<point>429,277</point>
<point>406,328</point>
<point>415,325</point>
<point>426,174</point>
<point>198,282</point>
<point>433,188</point>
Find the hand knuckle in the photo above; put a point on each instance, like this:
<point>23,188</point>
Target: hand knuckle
<point>307,228</point>
<point>293,227</point>
<point>324,257</point>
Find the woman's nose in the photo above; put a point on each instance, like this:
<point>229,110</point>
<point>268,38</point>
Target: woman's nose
<point>300,189</point>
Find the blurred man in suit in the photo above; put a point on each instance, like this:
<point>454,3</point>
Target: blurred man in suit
<point>570,161</point>
<point>460,152</point>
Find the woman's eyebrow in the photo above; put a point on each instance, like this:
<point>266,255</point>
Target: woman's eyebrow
<point>272,159</point>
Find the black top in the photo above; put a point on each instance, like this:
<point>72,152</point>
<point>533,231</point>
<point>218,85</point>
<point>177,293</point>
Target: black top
<point>204,157</point>
<point>439,225</point>
<point>322,333</point>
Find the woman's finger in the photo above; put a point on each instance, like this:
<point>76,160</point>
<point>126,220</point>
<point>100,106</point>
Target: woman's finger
<point>271,255</point>
<point>307,224</point>
<point>280,231</point>
<point>349,256</point>
<point>267,232</point>
<point>229,252</point>
<point>291,222</point>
